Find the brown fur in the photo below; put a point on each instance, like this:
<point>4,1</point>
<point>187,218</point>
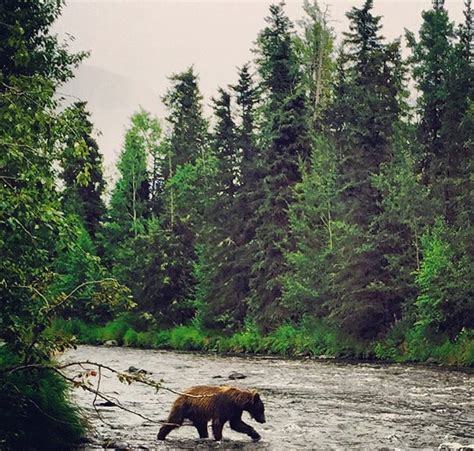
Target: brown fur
<point>203,403</point>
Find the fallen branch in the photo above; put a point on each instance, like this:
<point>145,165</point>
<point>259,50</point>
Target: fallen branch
<point>123,377</point>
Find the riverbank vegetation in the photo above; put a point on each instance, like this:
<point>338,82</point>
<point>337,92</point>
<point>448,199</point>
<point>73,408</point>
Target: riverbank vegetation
<point>323,208</point>
<point>310,339</point>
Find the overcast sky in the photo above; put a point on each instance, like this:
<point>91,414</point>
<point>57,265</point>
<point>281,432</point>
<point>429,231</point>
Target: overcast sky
<point>135,45</point>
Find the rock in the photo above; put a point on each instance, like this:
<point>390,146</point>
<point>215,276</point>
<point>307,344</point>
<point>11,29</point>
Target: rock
<point>111,343</point>
<point>117,445</point>
<point>448,446</point>
<point>217,377</point>
<point>134,369</point>
<point>106,404</point>
<point>431,361</point>
<point>234,375</point>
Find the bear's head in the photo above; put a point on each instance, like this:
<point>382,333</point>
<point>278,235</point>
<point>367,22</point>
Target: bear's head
<point>256,408</point>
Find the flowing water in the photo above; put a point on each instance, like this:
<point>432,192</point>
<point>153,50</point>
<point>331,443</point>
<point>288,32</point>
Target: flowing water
<point>309,404</point>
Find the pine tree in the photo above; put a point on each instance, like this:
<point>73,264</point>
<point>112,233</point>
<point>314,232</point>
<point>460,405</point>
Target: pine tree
<point>188,135</point>
<point>217,247</point>
<point>432,58</point>
<point>82,172</point>
<point>368,103</point>
<point>224,283</point>
<point>442,68</point>
<point>286,143</point>
<point>316,231</point>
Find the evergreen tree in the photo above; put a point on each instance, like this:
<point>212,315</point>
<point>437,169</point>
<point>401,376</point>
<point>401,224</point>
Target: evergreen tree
<point>218,246</point>
<point>442,69</point>
<point>368,104</point>
<point>316,231</point>
<point>188,134</point>
<point>224,279</point>
<point>82,171</point>
<point>287,142</point>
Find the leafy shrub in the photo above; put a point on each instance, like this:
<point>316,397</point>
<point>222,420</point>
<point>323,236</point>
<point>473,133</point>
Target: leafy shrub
<point>187,338</point>
<point>36,412</point>
<point>114,330</point>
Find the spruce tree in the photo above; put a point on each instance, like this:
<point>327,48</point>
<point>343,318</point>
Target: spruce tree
<point>224,282</point>
<point>188,128</point>
<point>286,143</point>
<point>82,171</point>
<point>433,59</point>
<point>368,104</point>
<point>219,241</point>
<point>443,71</point>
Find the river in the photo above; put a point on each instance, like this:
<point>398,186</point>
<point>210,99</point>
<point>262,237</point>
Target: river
<point>309,404</point>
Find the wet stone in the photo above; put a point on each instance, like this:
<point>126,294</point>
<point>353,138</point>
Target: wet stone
<point>235,375</point>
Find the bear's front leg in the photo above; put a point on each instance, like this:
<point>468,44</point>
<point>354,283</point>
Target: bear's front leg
<point>217,426</point>
<point>238,425</point>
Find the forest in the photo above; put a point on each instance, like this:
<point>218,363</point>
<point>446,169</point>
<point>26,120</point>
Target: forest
<point>324,208</point>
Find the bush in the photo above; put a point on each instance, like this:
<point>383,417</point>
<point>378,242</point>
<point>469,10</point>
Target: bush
<point>312,337</point>
<point>187,338</point>
<point>36,412</point>
<point>114,330</point>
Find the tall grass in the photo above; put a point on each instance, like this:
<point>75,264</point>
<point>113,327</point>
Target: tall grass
<point>35,410</point>
<point>313,338</point>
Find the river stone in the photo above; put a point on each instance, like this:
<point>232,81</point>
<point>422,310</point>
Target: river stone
<point>111,343</point>
<point>234,375</point>
<point>455,446</point>
<point>106,404</point>
<point>117,445</point>
<point>134,369</point>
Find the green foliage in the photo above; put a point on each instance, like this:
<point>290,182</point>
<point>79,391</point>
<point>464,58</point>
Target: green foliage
<point>316,232</point>
<point>286,144</point>
<point>315,48</point>
<point>188,137</point>
<point>368,106</point>
<point>36,412</point>
<point>82,170</point>
<point>129,203</point>
<point>445,303</point>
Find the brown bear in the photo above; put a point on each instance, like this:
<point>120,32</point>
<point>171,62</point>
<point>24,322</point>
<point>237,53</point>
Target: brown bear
<point>219,404</point>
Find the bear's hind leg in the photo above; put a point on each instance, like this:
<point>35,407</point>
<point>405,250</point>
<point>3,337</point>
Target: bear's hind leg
<point>174,421</point>
<point>201,426</point>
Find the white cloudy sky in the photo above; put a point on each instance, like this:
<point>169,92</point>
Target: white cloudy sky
<point>135,45</point>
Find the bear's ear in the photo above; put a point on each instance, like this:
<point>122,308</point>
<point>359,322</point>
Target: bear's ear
<point>255,397</point>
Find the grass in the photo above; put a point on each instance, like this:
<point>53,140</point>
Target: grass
<point>35,410</point>
<point>287,340</point>
<point>310,339</point>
